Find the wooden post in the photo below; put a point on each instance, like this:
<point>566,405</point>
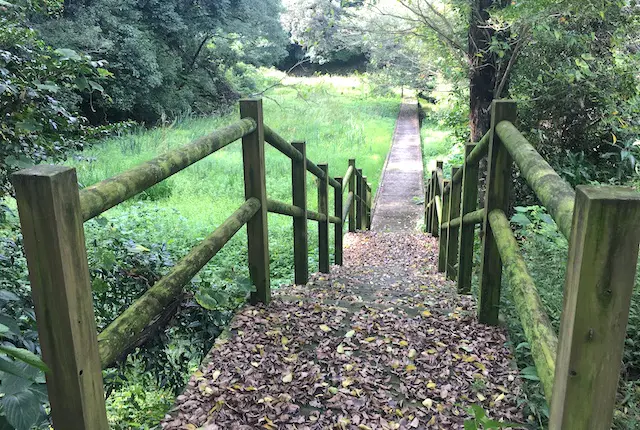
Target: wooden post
<point>467,231</point>
<point>427,200</point>
<point>323,226</point>
<point>54,244</point>
<point>369,208</point>
<point>435,226</point>
<point>255,186</point>
<point>442,245</point>
<point>365,193</point>
<point>496,197</point>
<point>300,234</point>
<point>352,189</point>
<point>359,205</point>
<point>337,204</point>
<point>453,232</point>
<point>603,254</point>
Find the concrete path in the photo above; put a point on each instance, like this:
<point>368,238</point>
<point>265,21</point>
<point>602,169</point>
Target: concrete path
<point>401,187</point>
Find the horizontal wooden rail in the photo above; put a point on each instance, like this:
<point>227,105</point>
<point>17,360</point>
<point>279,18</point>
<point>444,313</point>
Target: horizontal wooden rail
<point>475,217</point>
<point>480,150</point>
<point>106,194</point>
<point>334,219</point>
<point>535,322</point>
<point>553,191</point>
<point>287,149</point>
<point>347,207</point>
<point>125,330</point>
<point>315,216</point>
<point>347,177</point>
<point>282,208</point>
<point>281,145</point>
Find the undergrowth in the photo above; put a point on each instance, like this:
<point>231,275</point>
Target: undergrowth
<point>134,244</point>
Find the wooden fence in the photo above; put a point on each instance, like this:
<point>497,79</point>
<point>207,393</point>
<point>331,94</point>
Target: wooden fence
<point>53,210</point>
<point>579,369</point>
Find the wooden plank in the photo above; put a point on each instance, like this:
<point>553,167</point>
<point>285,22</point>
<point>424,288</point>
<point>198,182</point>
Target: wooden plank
<point>453,231</point>
<point>300,232</point>
<point>337,206</point>
<point>323,226</point>
<point>359,200</point>
<point>352,189</point>
<point>369,208</point>
<point>467,231</point>
<point>255,186</point>
<point>603,254</point>
<point>54,244</point>
<point>442,245</point>
<point>496,197</point>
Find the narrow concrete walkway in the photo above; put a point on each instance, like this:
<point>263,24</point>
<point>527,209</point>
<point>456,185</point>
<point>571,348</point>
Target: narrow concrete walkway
<point>397,204</point>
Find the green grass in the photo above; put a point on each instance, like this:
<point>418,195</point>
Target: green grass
<point>439,144</point>
<point>336,117</point>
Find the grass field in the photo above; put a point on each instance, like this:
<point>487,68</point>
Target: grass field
<point>337,118</point>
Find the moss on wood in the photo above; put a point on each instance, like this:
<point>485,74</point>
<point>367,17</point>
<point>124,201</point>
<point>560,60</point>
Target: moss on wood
<point>106,194</point>
<point>535,321</point>
<point>124,331</point>
<point>554,193</point>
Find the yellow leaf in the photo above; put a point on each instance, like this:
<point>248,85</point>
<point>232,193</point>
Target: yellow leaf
<point>347,382</point>
<point>284,340</point>
<point>341,349</point>
<point>427,403</point>
<point>190,427</point>
<point>431,385</point>
<point>325,328</point>
<point>410,367</point>
<point>215,375</point>
<point>404,343</point>
<point>255,364</point>
<point>350,333</point>
<point>412,353</point>
<point>370,339</point>
<point>481,397</point>
<point>500,397</point>
<point>614,138</point>
<point>333,390</point>
<point>348,367</point>
<point>287,378</point>
<point>426,313</point>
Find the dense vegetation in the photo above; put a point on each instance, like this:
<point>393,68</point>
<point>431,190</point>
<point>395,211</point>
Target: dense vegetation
<point>81,79</point>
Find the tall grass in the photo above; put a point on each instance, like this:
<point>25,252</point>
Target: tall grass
<point>338,119</point>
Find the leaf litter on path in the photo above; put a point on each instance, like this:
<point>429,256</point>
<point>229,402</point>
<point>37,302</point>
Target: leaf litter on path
<point>383,342</point>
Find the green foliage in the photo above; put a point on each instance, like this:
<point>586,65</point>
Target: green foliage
<point>39,91</point>
<point>482,421</point>
<point>167,57</point>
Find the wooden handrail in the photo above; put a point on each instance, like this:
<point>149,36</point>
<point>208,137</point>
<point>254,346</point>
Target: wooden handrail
<point>347,207</point>
<point>106,194</point>
<point>553,191</point>
<point>535,321</point>
<point>282,208</point>
<point>347,177</point>
<point>118,336</point>
<point>601,225</point>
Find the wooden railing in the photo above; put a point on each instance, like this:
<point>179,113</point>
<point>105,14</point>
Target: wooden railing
<point>52,213</point>
<point>579,370</point>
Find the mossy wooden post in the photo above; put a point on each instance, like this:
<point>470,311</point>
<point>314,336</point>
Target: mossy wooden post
<point>432,198</point>
<point>255,186</point>
<point>438,192</point>
<point>359,204</point>
<point>453,232</point>
<point>601,268</point>
<point>337,207</point>
<point>366,194</point>
<point>300,233</point>
<point>467,231</point>
<point>352,189</point>
<point>54,244</point>
<point>442,245</point>
<point>323,226</point>
<point>496,197</point>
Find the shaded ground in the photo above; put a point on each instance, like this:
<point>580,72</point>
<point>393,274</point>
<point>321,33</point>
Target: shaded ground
<point>382,343</point>
<point>401,185</point>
